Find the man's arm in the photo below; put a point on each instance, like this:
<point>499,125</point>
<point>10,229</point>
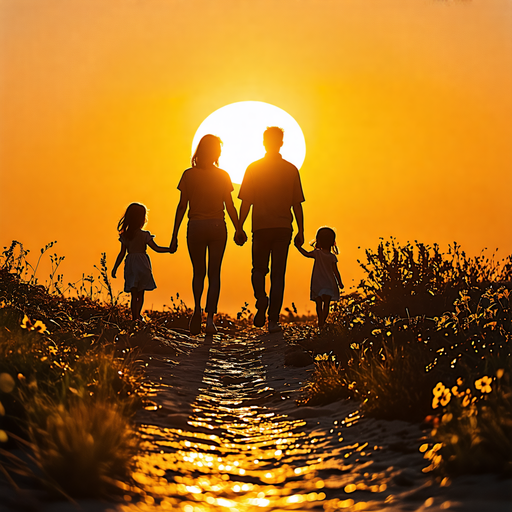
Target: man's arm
<point>244,212</point>
<point>299,218</point>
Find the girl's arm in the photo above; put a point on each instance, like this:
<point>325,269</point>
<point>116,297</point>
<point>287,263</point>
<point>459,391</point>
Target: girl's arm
<point>240,237</point>
<point>336,273</point>
<point>308,254</point>
<point>158,248</point>
<point>120,258</point>
<point>180,212</point>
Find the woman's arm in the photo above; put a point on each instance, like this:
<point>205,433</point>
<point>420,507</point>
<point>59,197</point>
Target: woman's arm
<point>180,212</point>
<point>120,258</point>
<point>336,273</point>
<point>244,212</point>
<point>240,237</point>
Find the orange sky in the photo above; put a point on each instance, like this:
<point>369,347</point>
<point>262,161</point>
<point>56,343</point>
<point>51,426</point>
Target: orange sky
<point>405,106</point>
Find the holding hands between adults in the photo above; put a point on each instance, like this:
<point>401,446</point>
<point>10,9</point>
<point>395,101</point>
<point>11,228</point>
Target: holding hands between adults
<point>240,237</point>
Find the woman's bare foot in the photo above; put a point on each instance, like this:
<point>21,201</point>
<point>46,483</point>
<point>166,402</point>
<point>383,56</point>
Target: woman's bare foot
<point>195,323</point>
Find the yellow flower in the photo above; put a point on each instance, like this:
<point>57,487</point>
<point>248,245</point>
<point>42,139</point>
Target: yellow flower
<point>445,399</point>
<point>438,390</point>
<point>484,384</point>
<point>26,323</point>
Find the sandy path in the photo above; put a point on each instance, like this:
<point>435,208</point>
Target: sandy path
<point>223,432</point>
<point>329,451</point>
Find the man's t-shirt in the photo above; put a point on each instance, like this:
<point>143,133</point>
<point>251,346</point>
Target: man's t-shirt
<point>206,191</point>
<point>272,185</point>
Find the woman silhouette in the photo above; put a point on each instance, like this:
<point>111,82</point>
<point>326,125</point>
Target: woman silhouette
<point>206,190</point>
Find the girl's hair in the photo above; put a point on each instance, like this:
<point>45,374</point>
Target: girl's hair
<point>207,151</point>
<point>134,218</point>
<point>326,239</point>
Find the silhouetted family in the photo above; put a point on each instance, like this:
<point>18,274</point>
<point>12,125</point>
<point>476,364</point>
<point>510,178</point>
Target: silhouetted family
<point>273,188</point>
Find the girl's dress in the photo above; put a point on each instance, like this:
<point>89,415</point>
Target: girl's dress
<point>138,275</point>
<point>323,281</point>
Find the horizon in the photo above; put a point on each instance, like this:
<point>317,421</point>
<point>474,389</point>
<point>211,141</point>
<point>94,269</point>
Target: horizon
<point>405,110</point>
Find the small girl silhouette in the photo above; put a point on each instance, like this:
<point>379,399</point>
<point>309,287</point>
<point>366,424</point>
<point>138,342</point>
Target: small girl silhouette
<point>326,278</point>
<point>138,276</point>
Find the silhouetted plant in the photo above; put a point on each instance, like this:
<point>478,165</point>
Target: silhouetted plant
<point>416,279</point>
<point>327,384</point>
<point>473,426</point>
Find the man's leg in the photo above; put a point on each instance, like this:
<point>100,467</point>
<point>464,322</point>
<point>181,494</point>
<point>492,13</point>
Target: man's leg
<point>279,249</point>
<point>260,260</point>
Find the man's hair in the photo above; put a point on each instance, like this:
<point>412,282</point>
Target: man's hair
<point>274,134</point>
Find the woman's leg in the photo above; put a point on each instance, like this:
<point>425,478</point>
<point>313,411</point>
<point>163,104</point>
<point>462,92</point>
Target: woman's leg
<point>216,247</point>
<point>197,251</point>
<point>196,243</point>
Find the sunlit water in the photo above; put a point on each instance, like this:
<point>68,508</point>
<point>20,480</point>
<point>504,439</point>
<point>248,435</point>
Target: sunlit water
<point>222,432</point>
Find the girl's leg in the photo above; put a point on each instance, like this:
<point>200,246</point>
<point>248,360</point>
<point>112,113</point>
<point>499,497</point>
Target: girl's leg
<point>326,302</point>
<point>136,304</point>
<point>319,312</point>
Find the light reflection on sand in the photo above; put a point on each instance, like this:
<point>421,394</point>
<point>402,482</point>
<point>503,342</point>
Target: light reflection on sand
<point>236,450</point>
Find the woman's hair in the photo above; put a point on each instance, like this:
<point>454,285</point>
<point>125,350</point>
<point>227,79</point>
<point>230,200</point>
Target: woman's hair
<point>326,239</point>
<point>134,218</point>
<point>207,151</point>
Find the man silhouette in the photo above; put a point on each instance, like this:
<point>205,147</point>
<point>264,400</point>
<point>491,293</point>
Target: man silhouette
<point>272,186</point>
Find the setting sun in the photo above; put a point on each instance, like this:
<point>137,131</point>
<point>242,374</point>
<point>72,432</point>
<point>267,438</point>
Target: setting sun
<point>241,125</point>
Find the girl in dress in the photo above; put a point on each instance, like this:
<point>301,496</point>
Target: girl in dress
<point>138,276</point>
<point>325,280</point>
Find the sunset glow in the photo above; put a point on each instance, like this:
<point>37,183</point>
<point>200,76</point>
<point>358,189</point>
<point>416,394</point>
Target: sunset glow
<point>241,126</point>
<point>405,107</point>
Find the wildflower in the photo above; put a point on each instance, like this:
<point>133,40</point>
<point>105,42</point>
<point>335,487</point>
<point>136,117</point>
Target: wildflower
<point>446,397</point>
<point>438,390</point>
<point>484,384</point>
<point>38,326</point>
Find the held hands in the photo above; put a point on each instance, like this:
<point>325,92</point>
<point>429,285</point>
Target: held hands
<point>240,237</point>
<point>173,247</point>
<point>299,239</point>
<point>114,270</point>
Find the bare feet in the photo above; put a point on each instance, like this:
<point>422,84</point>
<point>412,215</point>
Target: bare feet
<point>195,323</point>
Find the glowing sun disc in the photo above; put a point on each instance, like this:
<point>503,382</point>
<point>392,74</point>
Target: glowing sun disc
<point>241,125</point>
